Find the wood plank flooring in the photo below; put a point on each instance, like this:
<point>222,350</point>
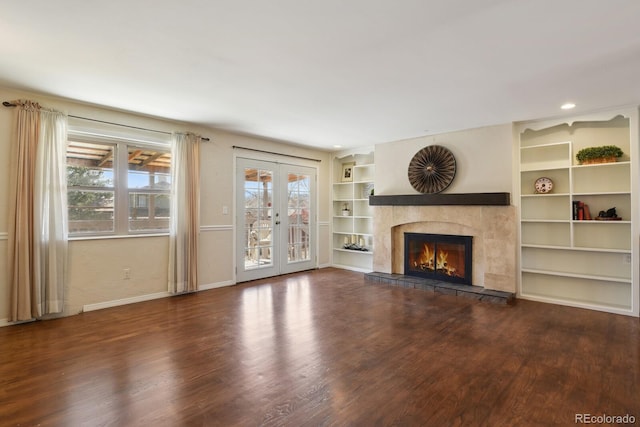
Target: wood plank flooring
<point>320,348</point>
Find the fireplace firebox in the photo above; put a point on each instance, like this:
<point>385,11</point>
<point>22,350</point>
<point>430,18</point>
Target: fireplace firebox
<point>438,256</point>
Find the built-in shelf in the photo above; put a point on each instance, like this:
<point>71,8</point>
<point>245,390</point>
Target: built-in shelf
<point>565,260</point>
<point>578,276</point>
<point>356,226</point>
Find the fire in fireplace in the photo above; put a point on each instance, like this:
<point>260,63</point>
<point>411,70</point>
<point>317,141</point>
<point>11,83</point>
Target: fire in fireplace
<point>438,256</point>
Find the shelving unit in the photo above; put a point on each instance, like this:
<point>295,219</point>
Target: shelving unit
<point>583,263</point>
<point>356,226</point>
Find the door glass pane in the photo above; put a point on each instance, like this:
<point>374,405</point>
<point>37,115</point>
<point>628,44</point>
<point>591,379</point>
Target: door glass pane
<point>298,217</point>
<point>258,197</point>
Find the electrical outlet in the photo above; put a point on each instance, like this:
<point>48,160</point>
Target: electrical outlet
<point>627,258</point>
<point>127,273</point>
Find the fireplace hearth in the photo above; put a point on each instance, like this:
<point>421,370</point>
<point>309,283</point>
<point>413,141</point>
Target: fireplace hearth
<point>438,256</point>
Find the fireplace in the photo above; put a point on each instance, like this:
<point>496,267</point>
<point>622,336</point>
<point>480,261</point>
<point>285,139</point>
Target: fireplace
<point>494,230</point>
<point>438,256</point>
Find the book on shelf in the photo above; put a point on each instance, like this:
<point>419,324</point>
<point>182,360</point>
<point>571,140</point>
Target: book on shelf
<point>580,211</point>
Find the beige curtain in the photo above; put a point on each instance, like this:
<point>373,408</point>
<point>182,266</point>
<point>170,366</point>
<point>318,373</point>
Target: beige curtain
<point>50,213</point>
<point>37,214</point>
<point>21,258</point>
<point>184,226</point>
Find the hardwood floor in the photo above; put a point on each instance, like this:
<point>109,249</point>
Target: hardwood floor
<point>320,348</point>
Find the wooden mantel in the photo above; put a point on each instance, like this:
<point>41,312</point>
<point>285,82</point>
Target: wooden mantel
<point>442,199</point>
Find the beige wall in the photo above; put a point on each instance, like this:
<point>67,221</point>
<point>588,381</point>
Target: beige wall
<point>96,265</point>
<point>483,161</point>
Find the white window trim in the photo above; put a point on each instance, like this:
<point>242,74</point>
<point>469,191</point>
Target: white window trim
<point>160,142</point>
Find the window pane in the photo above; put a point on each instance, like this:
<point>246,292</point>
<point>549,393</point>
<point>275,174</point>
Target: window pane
<point>90,154</point>
<point>89,165</point>
<point>149,169</point>
<point>90,211</point>
<point>95,190</point>
<point>148,211</point>
<point>89,177</point>
<point>150,161</point>
<point>149,180</point>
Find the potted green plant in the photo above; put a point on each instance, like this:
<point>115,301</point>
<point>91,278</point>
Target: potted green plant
<point>603,154</point>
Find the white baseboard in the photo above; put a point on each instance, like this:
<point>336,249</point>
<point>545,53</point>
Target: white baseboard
<point>124,301</point>
<point>148,297</point>
<point>5,322</point>
<point>216,285</point>
<point>324,265</point>
<point>352,268</point>
<point>131,300</point>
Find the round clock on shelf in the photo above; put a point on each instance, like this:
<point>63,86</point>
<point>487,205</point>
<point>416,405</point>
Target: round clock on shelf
<point>543,185</point>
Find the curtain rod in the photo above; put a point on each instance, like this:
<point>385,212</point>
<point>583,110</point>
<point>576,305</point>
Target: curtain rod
<point>279,154</point>
<point>10,104</point>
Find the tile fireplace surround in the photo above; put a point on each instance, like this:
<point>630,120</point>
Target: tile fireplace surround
<point>493,229</point>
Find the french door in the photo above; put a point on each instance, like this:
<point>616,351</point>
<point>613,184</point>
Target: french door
<point>276,215</point>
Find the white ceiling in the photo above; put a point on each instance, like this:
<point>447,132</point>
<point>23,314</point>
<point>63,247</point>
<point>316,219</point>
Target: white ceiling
<point>325,72</point>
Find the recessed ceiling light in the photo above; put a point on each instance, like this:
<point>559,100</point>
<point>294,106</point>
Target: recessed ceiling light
<point>568,106</point>
<point>337,146</point>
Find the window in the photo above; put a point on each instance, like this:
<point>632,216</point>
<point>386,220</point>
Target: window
<point>117,187</point>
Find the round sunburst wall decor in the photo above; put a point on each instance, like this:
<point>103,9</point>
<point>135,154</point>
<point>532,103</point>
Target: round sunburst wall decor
<point>432,169</point>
